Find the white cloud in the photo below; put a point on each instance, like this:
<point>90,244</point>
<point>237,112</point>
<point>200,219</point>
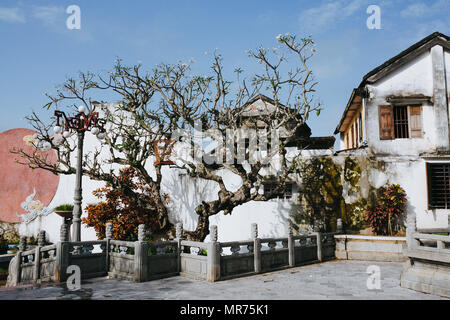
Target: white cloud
<point>11,15</point>
<point>420,9</point>
<point>48,15</point>
<point>328,14</point>
<point>415,10</point>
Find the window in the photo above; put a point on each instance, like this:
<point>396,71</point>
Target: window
<point>354,135</point>
<point>438,185</point>
<point>271,186</point>
<point>400,122</point>
<point>360,132</point>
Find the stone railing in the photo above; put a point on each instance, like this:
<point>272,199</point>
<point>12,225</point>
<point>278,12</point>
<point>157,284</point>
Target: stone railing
<point>143,261</point>
<point>90,256</point>
<point>428,266</point>
<point>162,260</point>
<point>121,259</point>
<point>259,255</point>
<point>236,258</point>
<point>33,266</point>
<point>435,242</point>
<point>194,259</point>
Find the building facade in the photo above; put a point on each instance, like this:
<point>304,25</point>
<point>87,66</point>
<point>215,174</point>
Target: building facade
<point>397,124</point>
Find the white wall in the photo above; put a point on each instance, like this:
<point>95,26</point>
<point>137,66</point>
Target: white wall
<point>410,173</point>
<point>411,79</point>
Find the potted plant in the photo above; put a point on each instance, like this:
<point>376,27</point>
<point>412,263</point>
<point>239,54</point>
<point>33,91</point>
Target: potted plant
<point>64,210</point>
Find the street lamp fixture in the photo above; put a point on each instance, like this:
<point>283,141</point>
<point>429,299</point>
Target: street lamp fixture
<point>80,123</point>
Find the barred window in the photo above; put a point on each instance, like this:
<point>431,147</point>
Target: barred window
<point>438,185</point>
<point>400,122</point>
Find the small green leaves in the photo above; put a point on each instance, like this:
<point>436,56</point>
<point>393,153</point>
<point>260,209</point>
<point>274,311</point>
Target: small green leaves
<point>47,105</point>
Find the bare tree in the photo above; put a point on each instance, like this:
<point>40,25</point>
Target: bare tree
<point>171,99</point>
<point>222,106</point>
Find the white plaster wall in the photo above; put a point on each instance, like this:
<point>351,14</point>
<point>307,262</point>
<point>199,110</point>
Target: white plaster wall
<point>447,73</point>
<point>407,171</point>
<point>413,78</point>
<point>410,173</point>
<point>186,193</point>
<point>271,217</point>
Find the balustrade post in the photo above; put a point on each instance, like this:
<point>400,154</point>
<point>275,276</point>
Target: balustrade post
<point>410,230</point>
<point>291,244</point>
<point>41,238</point>
<point>140,256</point>
<point>22,243</point>
<point>18,270</point>
<point>37,256</point>
<point>22,247</point>
<point>213,256</point>
<point>256,248</point>
<point>62,254</point>
<point>319,245</point>
<point>108,237</point>
<point>179,238</point>
<point>339,225</point>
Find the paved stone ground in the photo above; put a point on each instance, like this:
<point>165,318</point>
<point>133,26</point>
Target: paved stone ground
<point>330,280</point>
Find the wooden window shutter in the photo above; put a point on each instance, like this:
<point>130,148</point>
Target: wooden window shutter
<point>386,120</point>
<point>415,121</point>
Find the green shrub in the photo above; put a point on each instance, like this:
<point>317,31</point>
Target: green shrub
<point>64,207</point>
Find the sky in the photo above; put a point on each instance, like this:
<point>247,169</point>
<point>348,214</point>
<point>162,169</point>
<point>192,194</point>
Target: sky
<point>38,51</point>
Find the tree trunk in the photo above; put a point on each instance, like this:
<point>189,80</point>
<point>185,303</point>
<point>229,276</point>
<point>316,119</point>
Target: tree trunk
<point>201,231</point>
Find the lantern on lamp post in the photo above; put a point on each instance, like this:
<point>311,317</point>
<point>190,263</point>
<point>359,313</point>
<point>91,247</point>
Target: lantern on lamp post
<point>80,123</point>
<point>163,149</point>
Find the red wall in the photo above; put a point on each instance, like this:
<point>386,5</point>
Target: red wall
<point>17,181</point>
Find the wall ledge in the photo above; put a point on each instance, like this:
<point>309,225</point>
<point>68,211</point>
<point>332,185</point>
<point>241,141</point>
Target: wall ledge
<point>362,237</point>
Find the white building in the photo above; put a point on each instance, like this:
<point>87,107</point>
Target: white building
<point>397,123</point>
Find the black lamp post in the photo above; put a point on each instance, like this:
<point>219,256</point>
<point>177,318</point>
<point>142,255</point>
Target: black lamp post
<point>80,123</point>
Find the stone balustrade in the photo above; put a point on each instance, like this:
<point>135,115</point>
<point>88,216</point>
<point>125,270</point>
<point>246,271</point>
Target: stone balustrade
<point>427,268</point>
<point>143,260</point>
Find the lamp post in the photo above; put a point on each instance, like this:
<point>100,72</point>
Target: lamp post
<point>79,123</point>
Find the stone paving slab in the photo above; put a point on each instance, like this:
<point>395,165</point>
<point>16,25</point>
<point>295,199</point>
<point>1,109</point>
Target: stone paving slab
<point>337,280</point>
